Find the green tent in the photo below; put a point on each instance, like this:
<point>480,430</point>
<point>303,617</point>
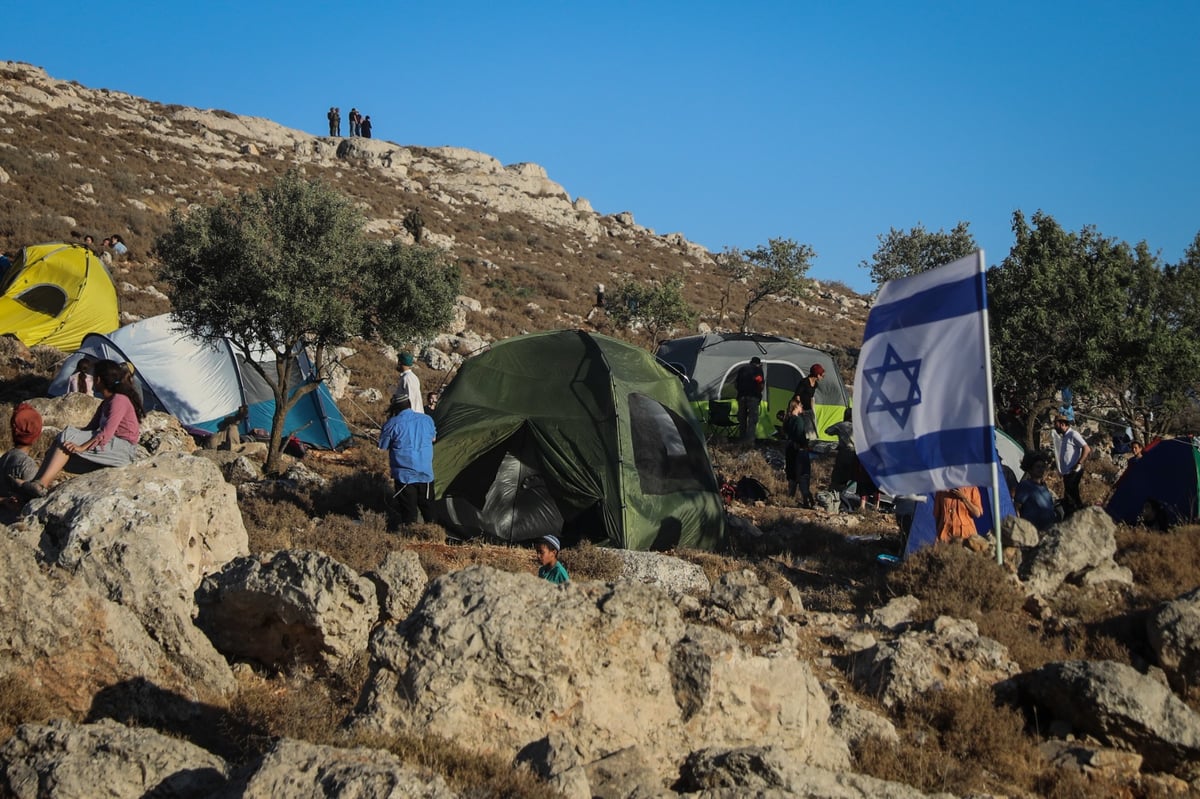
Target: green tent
<point>574,434</point>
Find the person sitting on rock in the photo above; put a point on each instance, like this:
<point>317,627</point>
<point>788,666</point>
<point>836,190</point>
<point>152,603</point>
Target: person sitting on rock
<point>547,548</point>
<point>82,381</point>
<point>1033,500</point>
<point>17,466</point>
<point>109,439</point>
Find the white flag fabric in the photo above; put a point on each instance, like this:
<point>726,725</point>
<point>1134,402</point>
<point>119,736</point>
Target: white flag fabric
<point>922,410</point>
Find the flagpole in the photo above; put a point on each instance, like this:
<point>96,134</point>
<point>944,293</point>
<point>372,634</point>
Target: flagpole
<point>991,412</point>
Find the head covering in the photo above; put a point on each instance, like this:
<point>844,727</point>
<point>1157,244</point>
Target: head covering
<point>551,541</point>
<point>817,369</point>
<point>755,361</point>
<point>26,424</point>
<point>406,358</point>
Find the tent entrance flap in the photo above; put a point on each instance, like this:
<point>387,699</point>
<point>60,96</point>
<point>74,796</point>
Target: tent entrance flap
<point>505,493</point>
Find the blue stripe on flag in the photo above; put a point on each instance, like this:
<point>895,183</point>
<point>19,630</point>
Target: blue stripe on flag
<point>935,304</point>
<point>936,450</point>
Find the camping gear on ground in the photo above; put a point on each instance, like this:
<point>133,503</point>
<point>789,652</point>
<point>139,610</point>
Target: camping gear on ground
<point>201,383</point>
<point>55,294</point>
<point>710,363</point>
<point>574,429</point>
<point>1165,480</point>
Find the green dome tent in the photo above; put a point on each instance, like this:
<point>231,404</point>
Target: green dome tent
<point>574,433</point>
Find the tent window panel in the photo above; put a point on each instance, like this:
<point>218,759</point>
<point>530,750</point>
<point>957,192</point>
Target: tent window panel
<point>46,299</point>
<point>669,456</point>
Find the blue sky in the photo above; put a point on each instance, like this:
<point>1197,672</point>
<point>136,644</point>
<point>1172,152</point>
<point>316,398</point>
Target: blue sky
<point>827,123</point>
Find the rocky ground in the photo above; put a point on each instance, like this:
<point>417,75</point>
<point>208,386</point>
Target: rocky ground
<point>155,640</point>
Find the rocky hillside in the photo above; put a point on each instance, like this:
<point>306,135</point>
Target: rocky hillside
<point>76,160</point>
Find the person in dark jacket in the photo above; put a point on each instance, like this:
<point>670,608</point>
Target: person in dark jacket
<point>749,382</point>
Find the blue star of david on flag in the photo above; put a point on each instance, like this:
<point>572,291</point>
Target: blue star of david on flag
<point>923,416</point>
<point>893,387</point>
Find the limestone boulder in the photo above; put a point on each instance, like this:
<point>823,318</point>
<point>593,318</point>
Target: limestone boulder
<point>768,771</point>
<point>61,760</point>
<point>288,608</point>
<point>144,536</point>
<point>1120,707</point>
<point>495,661</point>
<point>1078,550</point>
<point>1174,633</point>
<point>950,653</point>
<point>162,432</point>
<point>301,770</point>
<point>399,583</point>
<point>66,639</point>
<point>674,575</point>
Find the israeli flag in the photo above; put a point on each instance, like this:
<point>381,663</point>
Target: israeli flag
<point>922,405</point>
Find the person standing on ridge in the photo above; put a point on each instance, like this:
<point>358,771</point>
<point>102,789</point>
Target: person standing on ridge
<point>365,127</point>
<point>332,116</point>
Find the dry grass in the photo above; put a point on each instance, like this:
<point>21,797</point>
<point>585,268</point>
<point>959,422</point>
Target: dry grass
<point>21,704</point>
<point>1164,565</point>
<point>953,581</point>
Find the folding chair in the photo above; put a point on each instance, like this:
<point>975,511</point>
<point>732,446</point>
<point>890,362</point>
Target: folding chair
<point>721,418</point>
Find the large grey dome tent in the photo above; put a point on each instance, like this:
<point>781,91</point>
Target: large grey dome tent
<point>573,430</point>
<point>711,361</point>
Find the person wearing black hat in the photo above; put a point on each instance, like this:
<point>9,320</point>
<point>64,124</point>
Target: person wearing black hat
<point>749,383</point>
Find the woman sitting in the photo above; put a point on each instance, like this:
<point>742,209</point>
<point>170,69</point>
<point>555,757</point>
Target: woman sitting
<point>110,438</point>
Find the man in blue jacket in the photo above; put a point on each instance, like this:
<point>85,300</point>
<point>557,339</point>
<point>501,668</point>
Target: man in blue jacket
<point>408,437</point>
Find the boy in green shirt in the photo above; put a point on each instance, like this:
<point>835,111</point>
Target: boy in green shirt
<point>547,549</point>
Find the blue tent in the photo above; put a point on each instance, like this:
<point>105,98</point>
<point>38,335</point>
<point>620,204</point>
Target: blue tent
<point>201,383</point>
<point>1168,475</point>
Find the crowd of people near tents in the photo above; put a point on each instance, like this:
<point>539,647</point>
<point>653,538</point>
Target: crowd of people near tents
<point>567,433</point>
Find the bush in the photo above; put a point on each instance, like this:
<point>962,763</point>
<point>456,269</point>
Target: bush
<point>952,581</point>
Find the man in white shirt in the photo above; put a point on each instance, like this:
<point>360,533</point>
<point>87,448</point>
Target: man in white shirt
<point>409,383</point>
<point>1072,452</point>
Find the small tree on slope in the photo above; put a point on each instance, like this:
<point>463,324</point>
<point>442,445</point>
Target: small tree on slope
<point>287,266</point>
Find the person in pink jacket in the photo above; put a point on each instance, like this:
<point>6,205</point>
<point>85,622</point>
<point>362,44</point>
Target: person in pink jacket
<point>109,439</point>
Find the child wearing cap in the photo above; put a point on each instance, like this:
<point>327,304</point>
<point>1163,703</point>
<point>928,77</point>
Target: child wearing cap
<point>547,548</point>
<point>17,466</point>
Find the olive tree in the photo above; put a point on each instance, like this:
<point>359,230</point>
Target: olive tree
<point>654,308</point>
<point>903,253</point>
<point>287,268</point>
<point>780,267</point>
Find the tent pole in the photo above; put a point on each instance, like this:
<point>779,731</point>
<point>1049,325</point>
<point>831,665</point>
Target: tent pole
<point>991,412</point>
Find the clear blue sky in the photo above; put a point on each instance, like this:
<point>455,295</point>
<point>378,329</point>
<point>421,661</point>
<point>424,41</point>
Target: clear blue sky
<point>826,123</point>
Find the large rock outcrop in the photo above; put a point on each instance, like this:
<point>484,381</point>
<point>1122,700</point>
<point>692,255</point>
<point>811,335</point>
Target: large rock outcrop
<point>1174,633</point>
<point>1121,707</point>
<point>66,761</point>
<point>100,575</point>
<point>288,608</point>
<point>1078,550</point>
<point>950,654</point>
<point>496,661</point>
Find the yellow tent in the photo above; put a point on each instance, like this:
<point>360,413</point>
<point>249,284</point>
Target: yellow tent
<point>55,294</point>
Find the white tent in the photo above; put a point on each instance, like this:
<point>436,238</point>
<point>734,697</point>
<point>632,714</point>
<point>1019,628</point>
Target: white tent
<point>201,383</point>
